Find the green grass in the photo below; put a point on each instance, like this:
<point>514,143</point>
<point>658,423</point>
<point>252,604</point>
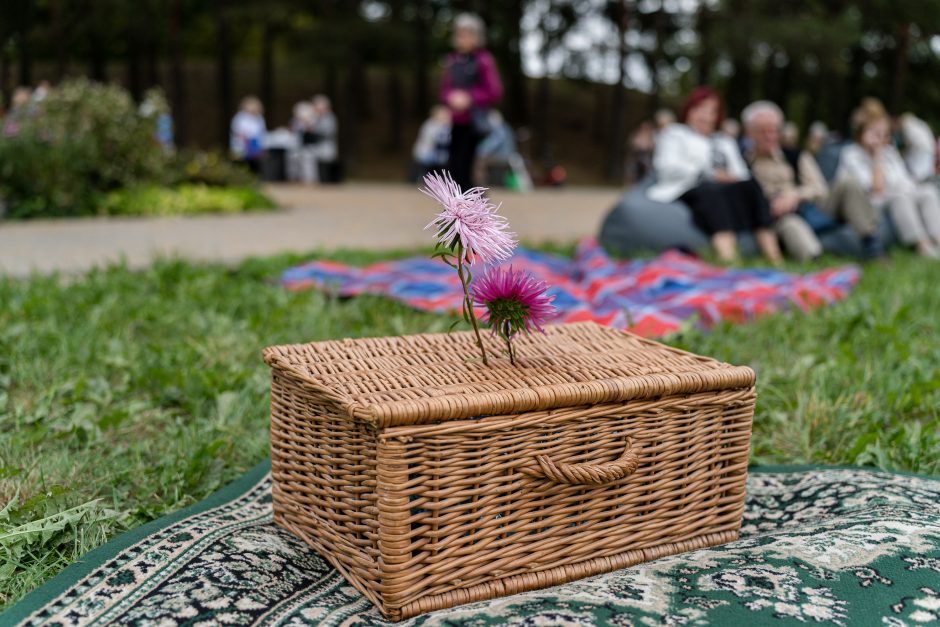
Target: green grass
<point>127,395</point>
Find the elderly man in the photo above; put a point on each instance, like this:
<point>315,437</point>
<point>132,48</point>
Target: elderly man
<point>802,203</point>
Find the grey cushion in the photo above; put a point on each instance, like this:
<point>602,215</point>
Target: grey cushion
<point>639,225</point>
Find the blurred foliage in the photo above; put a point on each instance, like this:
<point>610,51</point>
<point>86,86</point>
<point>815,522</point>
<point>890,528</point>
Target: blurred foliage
<point>88,149</point>
<point>816,58</point>
<point>209,168</point>
<point>188,198</point>
<point>82,140</point>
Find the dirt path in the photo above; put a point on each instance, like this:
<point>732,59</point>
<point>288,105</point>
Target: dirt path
<point>356,215</point>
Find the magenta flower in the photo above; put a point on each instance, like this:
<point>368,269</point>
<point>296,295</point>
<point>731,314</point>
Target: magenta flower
<point>515,302</point>
<point>468,226</point>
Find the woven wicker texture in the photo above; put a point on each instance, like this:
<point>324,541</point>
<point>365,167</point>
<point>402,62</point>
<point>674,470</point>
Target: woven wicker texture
<point>425,378</point>
<point>600,451</point>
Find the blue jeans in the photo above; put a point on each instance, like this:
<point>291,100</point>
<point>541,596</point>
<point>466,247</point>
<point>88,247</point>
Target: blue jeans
<point>816,218</point>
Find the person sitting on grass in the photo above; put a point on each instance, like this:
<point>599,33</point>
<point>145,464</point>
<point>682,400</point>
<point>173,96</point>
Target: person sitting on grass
<point>800,200</point>
<point>705,170</point>
<point>920,147</point>
<point>878,167</point>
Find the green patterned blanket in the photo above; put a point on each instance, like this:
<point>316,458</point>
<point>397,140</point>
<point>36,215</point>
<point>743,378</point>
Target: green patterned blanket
<point>835,546</point>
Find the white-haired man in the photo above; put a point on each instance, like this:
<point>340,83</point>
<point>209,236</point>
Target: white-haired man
<point>803,204</point>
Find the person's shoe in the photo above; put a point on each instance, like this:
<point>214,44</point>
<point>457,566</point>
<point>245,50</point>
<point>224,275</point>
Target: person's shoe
<point>872,248</point>
<point>928,250</point>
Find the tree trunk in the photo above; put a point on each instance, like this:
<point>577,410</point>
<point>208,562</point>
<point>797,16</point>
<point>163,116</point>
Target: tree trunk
<point>517,98</point>
<point>615,148</point>
<point>704,21</point>
<point>857,74</point>
<point>599,117</point>
<point>837,105</point>
<point>4,78</point>
<point>331,83</point>
<point>151,47</point>
<point>25,44</point>
<point>359,76</point>
<point>267,66</point>
<point>542,122</point>
<point>393,89</point>
<point>785,84</point>
<point>740,90</point>
<point>901,63</point>
<point>61,43</point>
<point>659,28</point>
<point>223,70</point>
<point>354,105</point>
<point>177,85</point>
<point>617,138</point>
<point>97,58</point>
<point>395,108</point>
<point>741,86</point>
<point>422,60</point>
<point>132,58</point>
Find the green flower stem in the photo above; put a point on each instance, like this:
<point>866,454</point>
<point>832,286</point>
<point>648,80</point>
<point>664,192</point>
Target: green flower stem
<point>468,302</point>
<point>512,353</point>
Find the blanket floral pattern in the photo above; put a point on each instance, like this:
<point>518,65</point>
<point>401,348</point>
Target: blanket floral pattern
<point>818,546</point>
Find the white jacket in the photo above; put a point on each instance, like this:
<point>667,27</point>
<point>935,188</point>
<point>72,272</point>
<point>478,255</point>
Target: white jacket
<point>684,158</point>
<point>920,153</point>
<point>856,163</point>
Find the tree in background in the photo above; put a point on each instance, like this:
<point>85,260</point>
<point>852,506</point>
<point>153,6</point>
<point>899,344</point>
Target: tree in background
<point>579,73</point>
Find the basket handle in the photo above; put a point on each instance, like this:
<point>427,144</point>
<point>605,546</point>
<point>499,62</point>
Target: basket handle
<point>585,474</point>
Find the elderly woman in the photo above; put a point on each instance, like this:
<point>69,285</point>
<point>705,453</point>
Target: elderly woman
<point>875,164</point>
<point>705,170</point>
<point>470,86</point>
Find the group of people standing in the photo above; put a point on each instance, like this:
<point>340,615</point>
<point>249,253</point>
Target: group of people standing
<point>779,193</point>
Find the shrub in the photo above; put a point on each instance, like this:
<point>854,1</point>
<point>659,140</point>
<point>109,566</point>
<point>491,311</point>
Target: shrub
<point>85,139</point>
<point>182,200</point>
<point>210,168</point>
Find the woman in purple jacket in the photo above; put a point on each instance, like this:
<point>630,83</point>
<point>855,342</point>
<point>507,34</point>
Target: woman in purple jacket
<point>470,86</point>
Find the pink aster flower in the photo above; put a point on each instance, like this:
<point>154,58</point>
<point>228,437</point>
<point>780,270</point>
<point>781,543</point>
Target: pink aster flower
<point>515,302</point>
<point>468,225</point>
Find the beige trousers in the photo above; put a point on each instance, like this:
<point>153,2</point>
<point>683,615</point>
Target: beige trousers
<point>847,202</point>
<point>797,237</point>
<point>916,215</point>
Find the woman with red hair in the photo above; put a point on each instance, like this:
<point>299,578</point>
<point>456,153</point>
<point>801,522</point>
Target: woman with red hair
<point>704,169</point>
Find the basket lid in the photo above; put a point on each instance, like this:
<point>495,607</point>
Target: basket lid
<point>419,379</point>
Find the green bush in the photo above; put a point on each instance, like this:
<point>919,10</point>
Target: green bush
<point>182,200</point>
<point>210,168</point>
<point>84,140</point>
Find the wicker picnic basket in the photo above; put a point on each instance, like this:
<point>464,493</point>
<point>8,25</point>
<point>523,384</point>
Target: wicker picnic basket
<point>430,480</point>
